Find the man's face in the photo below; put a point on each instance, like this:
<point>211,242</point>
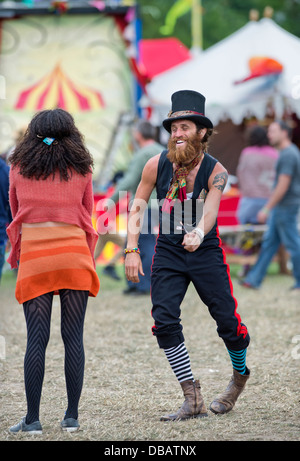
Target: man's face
<point>137,137</point>
<point>275,134</point>
<point>185,141</point>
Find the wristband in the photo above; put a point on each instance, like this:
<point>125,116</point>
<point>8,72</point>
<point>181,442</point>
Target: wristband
<point>133,250</point>
<point>200,232</point>
<point>265,210</point>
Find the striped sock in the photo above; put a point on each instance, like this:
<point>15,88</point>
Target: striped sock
<point>179,360</point>
<point>238,359</point>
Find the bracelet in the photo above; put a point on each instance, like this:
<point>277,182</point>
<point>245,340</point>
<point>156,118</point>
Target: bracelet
<point>199,232</point>
<point>133,250</point>
<point>265,210</point>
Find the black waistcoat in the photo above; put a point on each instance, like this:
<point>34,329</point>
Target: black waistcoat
<point>190,211</point>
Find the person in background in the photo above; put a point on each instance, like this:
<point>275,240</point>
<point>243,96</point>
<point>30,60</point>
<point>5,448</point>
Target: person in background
<point>105,233</point>
<point>147,147</point>
<point>256,174</point>
<point>5,213</point>
<point>281,210</point>
<point>52,244</point>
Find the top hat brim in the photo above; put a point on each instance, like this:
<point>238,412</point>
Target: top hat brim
<point>201,119</point>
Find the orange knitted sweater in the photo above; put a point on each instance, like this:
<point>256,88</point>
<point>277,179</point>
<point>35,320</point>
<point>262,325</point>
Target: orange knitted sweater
<point>51,199</point>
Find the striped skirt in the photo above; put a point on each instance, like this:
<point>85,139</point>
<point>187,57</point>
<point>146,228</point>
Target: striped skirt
<point>54,256</point>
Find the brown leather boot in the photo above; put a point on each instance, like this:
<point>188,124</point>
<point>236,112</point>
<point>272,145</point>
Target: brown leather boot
<point>226,401</point>
<point>193,406</point>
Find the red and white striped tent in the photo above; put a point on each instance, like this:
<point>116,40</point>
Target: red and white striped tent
<point>56,89</point>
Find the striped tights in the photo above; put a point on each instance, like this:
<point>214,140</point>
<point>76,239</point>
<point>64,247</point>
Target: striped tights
<point>38,319</point>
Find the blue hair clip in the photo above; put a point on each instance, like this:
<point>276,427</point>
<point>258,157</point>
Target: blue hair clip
<point>48,141</point>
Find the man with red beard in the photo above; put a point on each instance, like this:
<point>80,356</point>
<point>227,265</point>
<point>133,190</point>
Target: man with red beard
<point>189,185</point>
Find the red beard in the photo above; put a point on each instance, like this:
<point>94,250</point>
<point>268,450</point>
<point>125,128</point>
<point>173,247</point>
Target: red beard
<point>186,155</point>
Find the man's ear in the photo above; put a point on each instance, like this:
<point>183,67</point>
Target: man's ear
<point>203,132</point>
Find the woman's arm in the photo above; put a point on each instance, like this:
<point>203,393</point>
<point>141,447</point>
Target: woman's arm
<point>88,196</point>
<point>13,199</point>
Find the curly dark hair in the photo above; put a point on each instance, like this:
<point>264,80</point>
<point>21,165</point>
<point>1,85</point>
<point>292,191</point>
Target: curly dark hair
<point>66,153</point>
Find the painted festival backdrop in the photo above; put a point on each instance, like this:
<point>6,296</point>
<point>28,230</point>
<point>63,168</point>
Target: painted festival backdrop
<point>78,60</point>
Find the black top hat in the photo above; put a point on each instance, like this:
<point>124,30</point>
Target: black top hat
<point>187,104</point>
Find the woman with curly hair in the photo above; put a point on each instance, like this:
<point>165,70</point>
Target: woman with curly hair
<point>52,245</point>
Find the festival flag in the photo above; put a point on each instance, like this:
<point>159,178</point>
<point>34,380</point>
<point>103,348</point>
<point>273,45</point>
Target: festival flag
<point>179,8</point>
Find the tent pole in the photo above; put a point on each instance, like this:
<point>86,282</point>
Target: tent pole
<point>196,26</point>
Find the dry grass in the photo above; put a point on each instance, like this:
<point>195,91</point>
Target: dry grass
<point>129,385</point>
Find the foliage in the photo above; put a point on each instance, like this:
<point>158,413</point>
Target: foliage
<point>220,18</point>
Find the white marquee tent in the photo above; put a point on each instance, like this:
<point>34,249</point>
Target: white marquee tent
<point>214,72</point>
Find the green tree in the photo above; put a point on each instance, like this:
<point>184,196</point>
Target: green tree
<point>220,18</point>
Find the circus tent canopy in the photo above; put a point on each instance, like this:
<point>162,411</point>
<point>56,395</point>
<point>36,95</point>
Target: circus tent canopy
<point>57,90</point>
<point>216,71</point>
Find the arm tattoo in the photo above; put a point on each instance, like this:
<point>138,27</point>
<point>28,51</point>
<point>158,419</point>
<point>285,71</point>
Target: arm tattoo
<point>220,181</point>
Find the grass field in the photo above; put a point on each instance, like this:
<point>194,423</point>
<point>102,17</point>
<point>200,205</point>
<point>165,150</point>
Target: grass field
<point>129,385</point>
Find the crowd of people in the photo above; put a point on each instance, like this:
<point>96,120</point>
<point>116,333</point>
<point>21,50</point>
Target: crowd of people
<point>281,208</point>
<point>256,174</point>
<point>47,202</point>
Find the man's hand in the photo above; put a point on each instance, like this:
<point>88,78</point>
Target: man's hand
<point>192,241</point>
<point>262,216</point>
<point>133,267</point>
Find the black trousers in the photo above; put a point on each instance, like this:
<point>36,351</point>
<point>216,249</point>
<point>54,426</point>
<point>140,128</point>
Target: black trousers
<point>173,269</point>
